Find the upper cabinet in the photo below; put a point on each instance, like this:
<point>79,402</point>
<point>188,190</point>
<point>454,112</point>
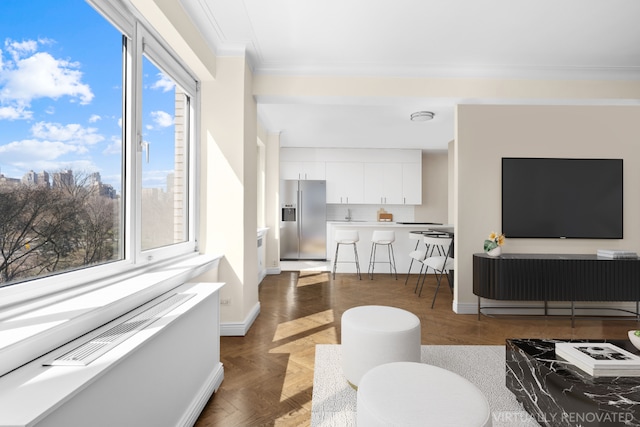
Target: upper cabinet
<point>383,183</point>
<point>412,183</point>
<point>345,182</point>
<point>364,176</point>
<point>302,170</point>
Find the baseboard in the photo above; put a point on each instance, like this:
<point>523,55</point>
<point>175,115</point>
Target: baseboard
<point>210,386</point>
<point>465,308</point>
<point>274,270</point>
<point>239,329</point>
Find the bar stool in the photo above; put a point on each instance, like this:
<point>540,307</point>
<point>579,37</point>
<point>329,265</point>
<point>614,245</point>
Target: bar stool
<point>346,237</point>
<point>384,238</point>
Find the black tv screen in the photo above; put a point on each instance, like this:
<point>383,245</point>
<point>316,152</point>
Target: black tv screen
<point>562,198</point>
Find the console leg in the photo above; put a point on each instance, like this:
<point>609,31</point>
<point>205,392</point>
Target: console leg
<point>572,314</point>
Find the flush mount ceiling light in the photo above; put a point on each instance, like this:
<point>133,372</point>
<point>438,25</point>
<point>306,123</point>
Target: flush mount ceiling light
<point>422,116</point>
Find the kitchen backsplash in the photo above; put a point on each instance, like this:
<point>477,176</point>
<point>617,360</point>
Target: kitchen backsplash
<point>401,213</point>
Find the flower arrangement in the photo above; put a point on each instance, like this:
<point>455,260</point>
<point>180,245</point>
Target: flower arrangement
<point>495,240</point>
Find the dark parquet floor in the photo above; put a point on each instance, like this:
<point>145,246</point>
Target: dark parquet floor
<point>269,372</point>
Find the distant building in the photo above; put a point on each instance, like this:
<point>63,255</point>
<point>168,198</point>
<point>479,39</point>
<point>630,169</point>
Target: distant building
<point>43,179</point>
<point>30,178</point>
<point>63,179</point>
<point>94,179</point>
<point>107,190</point>
<point>33,178</point>
<point>6,182</point>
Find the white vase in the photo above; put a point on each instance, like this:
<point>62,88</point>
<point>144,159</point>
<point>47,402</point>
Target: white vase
<point>495,251</point>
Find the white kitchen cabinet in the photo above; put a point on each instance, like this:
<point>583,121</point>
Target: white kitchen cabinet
<point>345,182</point>
<point>302,170</point>
<point>371,176</point>
<point>412,183</point>
<point>383,183</point>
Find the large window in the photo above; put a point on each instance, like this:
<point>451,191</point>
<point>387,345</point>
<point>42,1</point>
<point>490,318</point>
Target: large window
<point>165,116</point>
<point>96,125</point>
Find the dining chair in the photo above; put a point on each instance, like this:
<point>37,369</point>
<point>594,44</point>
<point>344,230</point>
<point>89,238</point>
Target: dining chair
<point>440,260</point>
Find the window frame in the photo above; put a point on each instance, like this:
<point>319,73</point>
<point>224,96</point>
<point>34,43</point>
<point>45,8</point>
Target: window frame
<point>124,17</point>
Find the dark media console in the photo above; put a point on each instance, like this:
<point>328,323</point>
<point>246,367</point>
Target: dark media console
<point>553,277</point>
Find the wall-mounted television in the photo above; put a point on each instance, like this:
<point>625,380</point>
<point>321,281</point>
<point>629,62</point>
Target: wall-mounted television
<point>562,198</point>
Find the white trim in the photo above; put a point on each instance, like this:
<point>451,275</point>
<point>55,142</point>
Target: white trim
<point>239,329</point>
<point>464,308</point>
<point>274,270</point>
<point>116,13</point>
<point>210,386</point>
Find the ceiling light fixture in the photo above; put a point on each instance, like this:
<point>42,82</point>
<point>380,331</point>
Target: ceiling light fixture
<point>422,116</point>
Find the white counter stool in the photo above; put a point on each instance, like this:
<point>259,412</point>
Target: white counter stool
<point>373,335</point>
<point>346,237</point>
<point>412,394</point>
<point>382,238</point>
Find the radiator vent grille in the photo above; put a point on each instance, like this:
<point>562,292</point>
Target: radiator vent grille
<point>95,347</point>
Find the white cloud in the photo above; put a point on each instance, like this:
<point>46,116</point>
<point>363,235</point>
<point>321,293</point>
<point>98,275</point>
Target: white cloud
<point>31,151</point>
<point>41,75</point>
<point>28,75</point>
<point>15,113</point>
<point>163,83</point>
<point>114,147</point>
<point>162,119</point>
<point>19,49</point>
<point>94,118</point>
<point>72,133</point>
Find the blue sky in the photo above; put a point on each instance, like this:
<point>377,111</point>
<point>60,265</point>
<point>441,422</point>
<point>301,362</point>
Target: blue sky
<point>60,94</point>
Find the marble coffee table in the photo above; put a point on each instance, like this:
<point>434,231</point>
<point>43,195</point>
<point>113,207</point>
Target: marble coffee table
<point>556,393</point>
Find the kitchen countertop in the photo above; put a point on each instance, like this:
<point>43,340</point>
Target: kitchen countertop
<point>404,243</point>
<point>386,224</point>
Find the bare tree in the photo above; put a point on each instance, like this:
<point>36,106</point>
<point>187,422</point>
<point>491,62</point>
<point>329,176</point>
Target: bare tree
<point>26,230</point>
<point>44,230</point>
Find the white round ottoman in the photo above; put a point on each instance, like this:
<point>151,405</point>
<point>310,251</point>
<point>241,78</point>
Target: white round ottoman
<point>373,335</point>
<point>416,394</point>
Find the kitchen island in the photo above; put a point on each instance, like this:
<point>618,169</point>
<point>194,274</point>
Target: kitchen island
<point>404,244</point>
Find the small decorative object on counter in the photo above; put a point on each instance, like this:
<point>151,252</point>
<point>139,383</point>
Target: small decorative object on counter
<point>384,216</point>
<point>493,245</point>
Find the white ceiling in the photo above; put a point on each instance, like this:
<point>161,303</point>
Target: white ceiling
<point>413,38</point>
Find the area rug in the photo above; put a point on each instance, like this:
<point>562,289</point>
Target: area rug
<point>334,401</point>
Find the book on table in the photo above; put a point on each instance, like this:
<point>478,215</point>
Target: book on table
<point>600,359</point>
<point>616,254</point>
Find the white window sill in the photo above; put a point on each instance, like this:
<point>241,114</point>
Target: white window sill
<point>29,335</point>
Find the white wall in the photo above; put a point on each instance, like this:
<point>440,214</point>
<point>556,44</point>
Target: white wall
<point>435,188</point>
<point>272,209</point>
<point>230,188</point>
<point>486,133</point>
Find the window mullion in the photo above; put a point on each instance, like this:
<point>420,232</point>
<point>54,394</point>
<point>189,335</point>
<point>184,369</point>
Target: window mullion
<point>134,146</point>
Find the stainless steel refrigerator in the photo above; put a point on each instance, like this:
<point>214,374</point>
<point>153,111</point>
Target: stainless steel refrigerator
<point>303,220</point>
